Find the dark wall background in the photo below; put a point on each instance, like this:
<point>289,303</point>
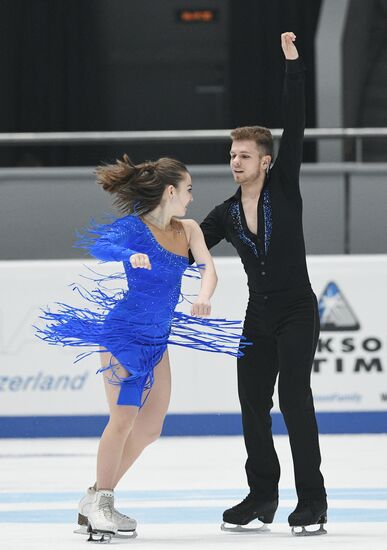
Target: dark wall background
<point>49,60</point>
<point>257,62</point>
<point>365,74</point>
<point>130,65</point>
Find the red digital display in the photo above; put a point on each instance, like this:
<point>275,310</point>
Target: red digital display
<point>197,16</point>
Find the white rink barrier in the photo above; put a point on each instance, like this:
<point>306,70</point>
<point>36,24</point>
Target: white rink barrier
<point>42,393</point>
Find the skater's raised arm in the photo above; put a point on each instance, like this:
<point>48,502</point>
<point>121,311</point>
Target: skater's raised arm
<point>293,107</point>
<point>201,307</point>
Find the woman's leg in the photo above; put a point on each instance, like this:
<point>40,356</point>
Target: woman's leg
<point>121,421</point>
<point>149,421</point>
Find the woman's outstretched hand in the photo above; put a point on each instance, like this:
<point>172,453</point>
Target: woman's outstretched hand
<point>201,307</point>
<point>140,261</point>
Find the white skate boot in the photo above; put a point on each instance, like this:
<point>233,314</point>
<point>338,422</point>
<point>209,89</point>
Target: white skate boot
<point>126,526</point>
<point>100,518</point>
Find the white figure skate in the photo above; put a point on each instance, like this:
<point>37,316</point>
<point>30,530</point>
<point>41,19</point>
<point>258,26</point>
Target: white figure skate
<point>98,518</point>
<point>126,526</point>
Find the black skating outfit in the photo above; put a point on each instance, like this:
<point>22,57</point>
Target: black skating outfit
<point>282,317</point>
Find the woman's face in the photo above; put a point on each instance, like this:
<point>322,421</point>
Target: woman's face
<point>182,196</point>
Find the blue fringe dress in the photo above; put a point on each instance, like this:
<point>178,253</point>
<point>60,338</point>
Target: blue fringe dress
<point>137,324</point>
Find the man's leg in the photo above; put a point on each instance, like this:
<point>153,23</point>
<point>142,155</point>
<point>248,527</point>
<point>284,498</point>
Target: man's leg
<point>297,338</point>
<point>257,372</point>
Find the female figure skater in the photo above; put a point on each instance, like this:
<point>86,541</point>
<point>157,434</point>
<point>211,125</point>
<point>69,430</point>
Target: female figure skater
<point>131,329</point>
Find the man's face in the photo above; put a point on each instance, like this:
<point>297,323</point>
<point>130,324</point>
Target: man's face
<point>245,161</point>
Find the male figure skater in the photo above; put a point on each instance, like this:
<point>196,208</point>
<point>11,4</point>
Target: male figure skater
<point>263,221</point>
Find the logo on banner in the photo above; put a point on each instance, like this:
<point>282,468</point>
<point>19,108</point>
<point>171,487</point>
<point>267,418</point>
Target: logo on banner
<point>345,353</point>
<point>335,312</point>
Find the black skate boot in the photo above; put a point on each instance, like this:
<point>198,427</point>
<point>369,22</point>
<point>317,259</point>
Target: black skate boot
<point>246,511</point>
<point>308,512</point>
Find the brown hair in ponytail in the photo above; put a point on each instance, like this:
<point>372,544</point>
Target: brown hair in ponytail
<point>138,188</point>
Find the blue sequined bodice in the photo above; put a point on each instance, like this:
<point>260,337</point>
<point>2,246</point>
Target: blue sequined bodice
<point>152,293</point>
<point>136,324</point>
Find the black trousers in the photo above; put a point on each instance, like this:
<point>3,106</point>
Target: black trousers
<point>284,329</point>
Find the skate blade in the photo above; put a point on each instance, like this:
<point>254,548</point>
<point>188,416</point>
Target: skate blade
<point>230,528</point>
<point>100,538</point>
<point>305,533</point>
<point>82,530</point>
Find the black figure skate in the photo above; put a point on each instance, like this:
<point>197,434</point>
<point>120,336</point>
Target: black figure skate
<point>248,510</point>
<point>308,512</point>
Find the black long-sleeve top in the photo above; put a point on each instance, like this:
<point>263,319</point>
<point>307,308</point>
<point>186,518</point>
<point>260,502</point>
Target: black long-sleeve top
<point>274,259</point>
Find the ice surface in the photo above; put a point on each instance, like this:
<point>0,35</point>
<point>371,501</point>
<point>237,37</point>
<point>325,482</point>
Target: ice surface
<point>178,489</point>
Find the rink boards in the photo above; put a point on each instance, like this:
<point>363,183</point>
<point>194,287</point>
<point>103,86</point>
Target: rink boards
<point>42,393</point>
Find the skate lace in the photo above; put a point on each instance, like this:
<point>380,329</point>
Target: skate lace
<point>105,508</point>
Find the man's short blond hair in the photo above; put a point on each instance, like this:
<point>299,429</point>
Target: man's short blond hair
<point>262,137</point>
